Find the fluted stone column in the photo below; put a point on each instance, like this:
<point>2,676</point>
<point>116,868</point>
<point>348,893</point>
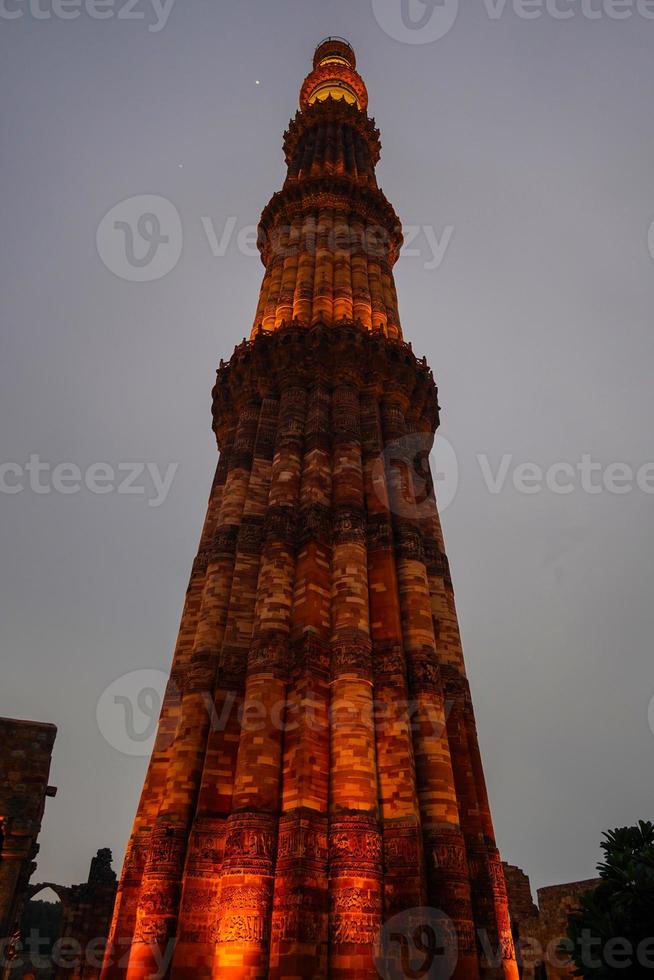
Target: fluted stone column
<point>300,906</point>
<point>398,797</point>
<point>193,955</point>
<point>243,930</point>
<point>355,844</point>
<point>445,855</point>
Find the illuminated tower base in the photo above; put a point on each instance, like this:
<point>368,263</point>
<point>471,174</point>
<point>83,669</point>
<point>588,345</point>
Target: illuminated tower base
<point>316,770</point>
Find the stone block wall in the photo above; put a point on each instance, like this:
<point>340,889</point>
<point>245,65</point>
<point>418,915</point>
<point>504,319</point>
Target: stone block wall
<point>538,930</point>
<point>25,756</point>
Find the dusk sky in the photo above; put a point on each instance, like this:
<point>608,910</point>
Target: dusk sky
<point>519,153</point>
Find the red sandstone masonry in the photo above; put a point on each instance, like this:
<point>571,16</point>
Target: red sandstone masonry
<point>398,797</point>
<point>355,845</point>
<point>194,952</point>
<point>299,925</point>
<point>158,906</point>
<point>321,592</point>
<point>542,928</point>
<point>251,841</point>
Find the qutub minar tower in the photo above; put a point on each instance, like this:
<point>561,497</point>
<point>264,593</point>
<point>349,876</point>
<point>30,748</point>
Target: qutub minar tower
<point>274,842</point>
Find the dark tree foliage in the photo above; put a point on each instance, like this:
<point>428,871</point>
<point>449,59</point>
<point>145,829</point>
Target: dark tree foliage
<point>613,931</point>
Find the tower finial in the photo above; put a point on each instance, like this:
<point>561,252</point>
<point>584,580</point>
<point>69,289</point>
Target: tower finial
<point>334,75</point>
<point>335,50</point>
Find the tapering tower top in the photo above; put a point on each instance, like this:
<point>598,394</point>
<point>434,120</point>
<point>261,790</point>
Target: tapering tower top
<point>329,238</point>
<point>335,49</point>
<point>334,75</point>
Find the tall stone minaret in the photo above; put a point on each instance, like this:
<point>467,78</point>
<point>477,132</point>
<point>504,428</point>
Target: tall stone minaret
<point>316,769</point>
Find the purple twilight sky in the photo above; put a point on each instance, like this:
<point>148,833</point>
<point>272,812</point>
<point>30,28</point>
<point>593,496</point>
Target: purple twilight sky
<point>520,150</point>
